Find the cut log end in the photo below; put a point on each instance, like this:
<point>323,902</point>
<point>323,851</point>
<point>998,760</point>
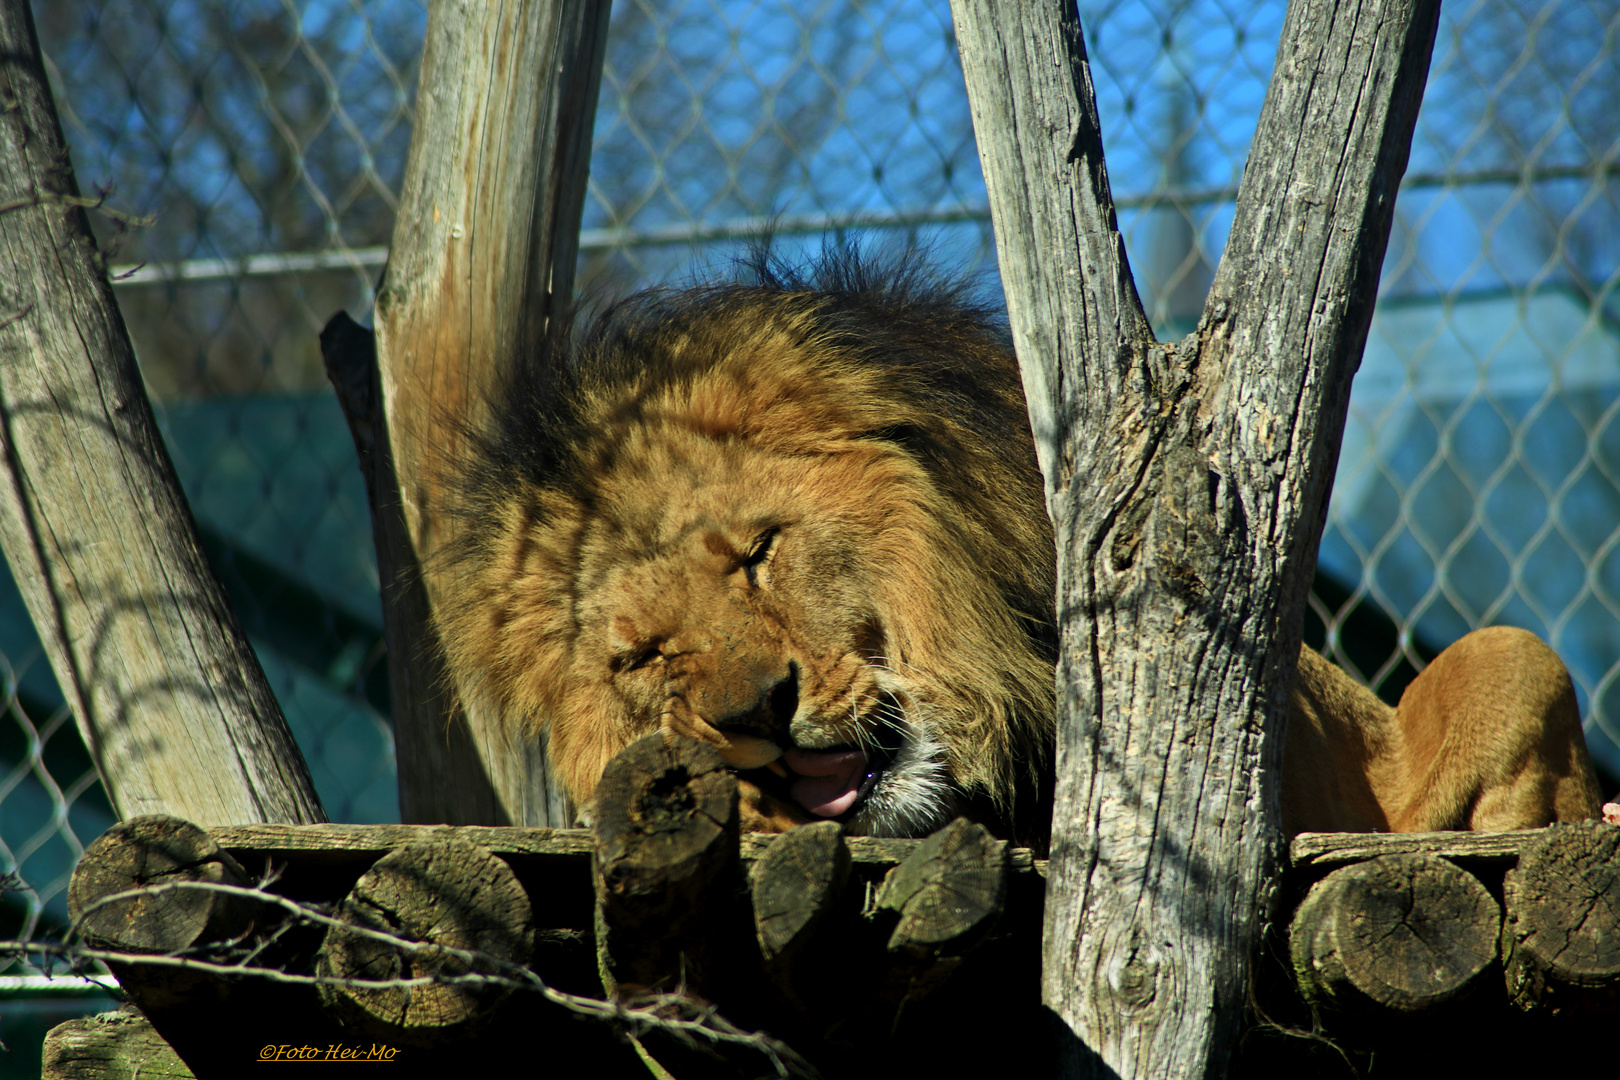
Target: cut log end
<point>1400,932</point>
<point>1562,936</point>
<point>796,885</point>
<point>948,893</point>
<point>448,895</point>
<point>666,866</point>
<point>166,856</point>
<point>112,1045</point>
<point>665,812</point>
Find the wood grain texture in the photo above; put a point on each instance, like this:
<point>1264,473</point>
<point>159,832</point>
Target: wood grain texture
<point>1562,936</point>
<point>167,693</point>
<point>1186,484</point>
<point>445,893</point>
<point>119,1045</point>
<point>152,851</point>
<point>442,776</point>
<point>794,884</point>
<point>481,268</point>
<point>949,892</point>
<point>1318,851</point>
<point>666,870</point>
<point>377,840</point>
<point>1400,934</point>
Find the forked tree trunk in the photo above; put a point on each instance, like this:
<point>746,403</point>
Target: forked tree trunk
<point>480,269</point>
<point>1187,482</point>
<point>168,694</point>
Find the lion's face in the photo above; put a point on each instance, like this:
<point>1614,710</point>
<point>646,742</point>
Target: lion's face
<point>737,548</point>
<point>738,596</point>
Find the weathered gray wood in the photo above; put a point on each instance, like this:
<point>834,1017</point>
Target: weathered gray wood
<point>1324,851</point>
<point>1186,485</point>
<point>159,857</point>
<point>667,879</point>
<point>1561,940</point>
<point>374,841</point>
<point>153,851</point>
<point>798,886</point>
<point>120,1045</point>
<point>948,895</point>
<point>167,693</point>
<point>948,892</point>
<point>792,885</point>
<point>481,267</point>
<point>446,893</point>
<point>1401,933</point>
<point>279,841</point>
<point>437,781</point>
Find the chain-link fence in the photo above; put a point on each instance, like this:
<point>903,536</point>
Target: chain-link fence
<point>1480,475</point>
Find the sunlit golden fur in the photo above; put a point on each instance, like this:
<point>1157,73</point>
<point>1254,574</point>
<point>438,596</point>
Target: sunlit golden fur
<point>803,515</point>
<point>784,515</point>
<point>1486,737</point>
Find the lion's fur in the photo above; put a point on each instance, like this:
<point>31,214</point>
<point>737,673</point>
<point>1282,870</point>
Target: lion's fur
<point>804,511</point>
<point>1486,737</point>
<point>871,416</point>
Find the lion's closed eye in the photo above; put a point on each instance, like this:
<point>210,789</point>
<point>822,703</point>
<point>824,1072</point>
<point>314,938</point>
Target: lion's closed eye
<point>632,649</point>
<point>634,659</point>
<point>759,553</point>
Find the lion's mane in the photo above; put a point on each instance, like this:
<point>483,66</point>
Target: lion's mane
<point>797,514</point>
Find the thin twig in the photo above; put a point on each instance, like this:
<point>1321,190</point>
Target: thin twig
<point>97,203</point>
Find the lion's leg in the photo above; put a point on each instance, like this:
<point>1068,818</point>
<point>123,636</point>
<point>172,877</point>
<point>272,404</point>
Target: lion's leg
<point>1336,754</point>
<point>1489,737</point>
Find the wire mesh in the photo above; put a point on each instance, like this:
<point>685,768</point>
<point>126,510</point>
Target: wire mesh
<point>1479,480</point>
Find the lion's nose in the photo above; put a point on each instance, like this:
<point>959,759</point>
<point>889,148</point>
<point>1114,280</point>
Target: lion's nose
<point>770,713</point>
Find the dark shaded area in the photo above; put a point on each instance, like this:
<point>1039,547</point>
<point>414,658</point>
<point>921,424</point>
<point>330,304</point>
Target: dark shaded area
<point>299,623</point>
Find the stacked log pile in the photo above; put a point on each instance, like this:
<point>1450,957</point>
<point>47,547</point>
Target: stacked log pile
<point>661,939</point>
<point>1458,952</point>
<point>852,954</point>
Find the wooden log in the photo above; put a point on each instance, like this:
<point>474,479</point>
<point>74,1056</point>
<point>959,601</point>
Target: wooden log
<point>168,694</point>
<point>799,890</point>
<point>444,782</point>
<point>448,894</point>
<point>480,269</point>
<point>1186,484</point>
<point>948,892</point>
<point>1561,940</point>
<point>120,1045</point>
<point>1399,933</point>
<point>666,871</point>
<point>1317,853</point>
<point>339,842</point>
<point>156,850</point>
<point>164,855</point>
<point>948,896</point>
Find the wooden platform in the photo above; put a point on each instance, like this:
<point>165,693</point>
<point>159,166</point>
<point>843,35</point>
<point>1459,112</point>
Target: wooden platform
<point>855,956</point>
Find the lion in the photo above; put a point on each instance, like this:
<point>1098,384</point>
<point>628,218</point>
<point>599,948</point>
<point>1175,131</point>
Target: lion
<point>799,517</point>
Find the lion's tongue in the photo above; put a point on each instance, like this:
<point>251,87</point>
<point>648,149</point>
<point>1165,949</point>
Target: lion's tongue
<point>829,781</point>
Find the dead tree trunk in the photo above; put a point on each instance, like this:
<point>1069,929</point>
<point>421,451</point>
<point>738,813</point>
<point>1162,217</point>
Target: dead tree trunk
<point>481,267</point>
<point>168,695</point>
<point>1187,483</point>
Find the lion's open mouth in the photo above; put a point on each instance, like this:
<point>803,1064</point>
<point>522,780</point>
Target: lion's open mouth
<point>830,783</point>
<point>836,783</point>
